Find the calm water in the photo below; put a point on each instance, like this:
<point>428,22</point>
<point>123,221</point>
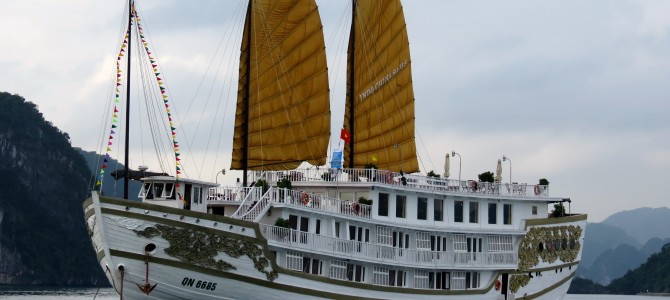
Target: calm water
<point>32,293</point>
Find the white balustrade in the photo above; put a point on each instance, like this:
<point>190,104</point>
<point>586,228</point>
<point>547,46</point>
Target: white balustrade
<point>321,203</point>
<point>251,197</point>
<point>299,240</point>
<point>411,181</point>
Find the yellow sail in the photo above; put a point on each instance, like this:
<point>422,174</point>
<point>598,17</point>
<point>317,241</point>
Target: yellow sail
<point>379,112</point>
<point>283,106</point>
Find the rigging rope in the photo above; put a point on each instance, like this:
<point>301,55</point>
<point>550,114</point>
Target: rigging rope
<point>166,101</point>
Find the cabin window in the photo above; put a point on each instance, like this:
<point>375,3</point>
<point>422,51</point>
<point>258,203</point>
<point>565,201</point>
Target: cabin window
<point>355,273</point>
<point>158,190</point>
<point>167,192</point>
<point>384,236</point>
<point>383,208</point>
<point>460,243</point>
<point>438,244</point>
<point>300,224</point>
<point>197,195</point>
<point>424,279</point>
<point>500,243</point>
<point>146,191</point>
<point>458,211</point>
<point>438,210</point>
<point>422,208</point>
<point>423,240</point>
<point>338,269</point>
<point>397,278</point>
<point>493,213</point>
<point>400,206</point>
<point>458,281</point>
<point>471,280</point>
<point>385,276</point>
<point>474,212</point>
<point>312,266</point>
<point>380,275</point>
<point>534,209</point>
<point>337,230</point>
<point>318,227</point>
<point>400,240</point>
<point>360,235</point>
<point>507,214</point>
<point>294,261</point>
<point>439,280</point>
<point>421,279</point>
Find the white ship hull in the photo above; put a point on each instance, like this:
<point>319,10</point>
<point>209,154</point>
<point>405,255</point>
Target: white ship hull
<point>186,265</point>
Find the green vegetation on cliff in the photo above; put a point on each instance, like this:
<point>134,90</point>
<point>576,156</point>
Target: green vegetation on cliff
<point>43,182</point>
<point>653,276</point>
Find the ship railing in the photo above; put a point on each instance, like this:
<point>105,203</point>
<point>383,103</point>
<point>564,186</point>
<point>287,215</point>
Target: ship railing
<point>320,202</point>
<point>255,212</point>
<point>252,196</point>
<point>351,249</point>
<point>223,194</point>
<point>411,181</point>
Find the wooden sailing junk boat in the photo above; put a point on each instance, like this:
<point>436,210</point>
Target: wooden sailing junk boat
<point>336,233</point>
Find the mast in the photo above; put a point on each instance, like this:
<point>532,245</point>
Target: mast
<point>245,137</point>
<point>126,166</point>
<point>352,101</point>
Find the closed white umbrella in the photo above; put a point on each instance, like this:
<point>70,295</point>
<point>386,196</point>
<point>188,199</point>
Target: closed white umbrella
<point>446,166</point>
<point>499,171</point>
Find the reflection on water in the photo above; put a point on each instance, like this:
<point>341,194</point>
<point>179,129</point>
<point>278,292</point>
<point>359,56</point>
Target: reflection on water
<point>53,293</point>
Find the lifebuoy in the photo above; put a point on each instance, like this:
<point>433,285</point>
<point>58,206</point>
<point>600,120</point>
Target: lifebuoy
<point>389,177</point>
<point>498,284</point>
<point>304,198</point>
<point>537,190</point>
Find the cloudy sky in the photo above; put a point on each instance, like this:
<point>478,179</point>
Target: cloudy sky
<point>573,91</point>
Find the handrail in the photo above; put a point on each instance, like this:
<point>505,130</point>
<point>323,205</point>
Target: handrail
<point>351,249</point>
<point>252,194</point>
<point>259,207</point>
<point>226,194</point>
<point>321,203</point>
<point>413,181</point>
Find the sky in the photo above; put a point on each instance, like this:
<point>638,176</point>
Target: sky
<point>573,91</point>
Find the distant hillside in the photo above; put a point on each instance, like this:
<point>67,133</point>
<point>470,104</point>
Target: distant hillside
<point>643,223</point>
<point>43,238</point>
<point>622,242</point>
<point>586,286</point>
<point>111,186</point>
<point>600,238</point>
<point>653,276</point>
<point>613,264</point>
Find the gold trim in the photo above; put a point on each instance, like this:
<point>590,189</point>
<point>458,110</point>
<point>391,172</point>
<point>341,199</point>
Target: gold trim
<point>87,202</point>
<point>548,289</point>
<point>177,211</point>
<point>89,213</point>
<point>550,268</point>
<point>100,255</point>
<point>155,219</point>
<point>255,281</point>
<point>551,221</point>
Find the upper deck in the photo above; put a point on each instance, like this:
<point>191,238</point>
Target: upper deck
<point>413,182</point>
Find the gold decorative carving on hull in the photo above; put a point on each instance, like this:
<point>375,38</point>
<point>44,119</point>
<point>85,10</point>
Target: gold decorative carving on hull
<point>547,244</point>
<point>200,248</point>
